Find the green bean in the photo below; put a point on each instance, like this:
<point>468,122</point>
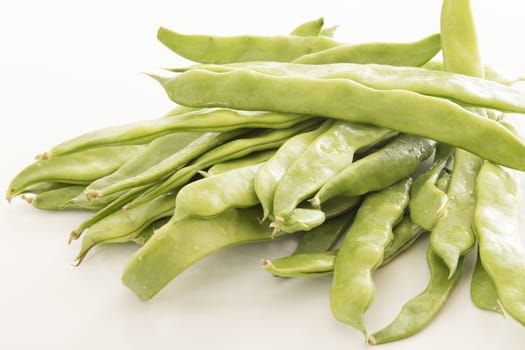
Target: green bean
<point>340,205</point>
<point>318,264</point>
<point>273,170</point>
<point>250,159</point>
<point>215,194</point>
<point>452,235</point>
<point>121,226</point>
<point>42,187</point>
<point>362,252</point>
<point>482,289</point>
<point>214,49</point>
<point>420,310</point>
<point>196,120</point>
<point>458,87</point>
<point>397,54</point>
<point>496,223</point>
<point>179,244</point>
<point>310,28</point>
<point>168,164</point>
<point>394,162</point>
<point>328,154</point>
<point>301,219</point>
<point>75,169</point>
<point>405,111</point>
<point>325,236</point>
<point>55,199</point>
<point>146,233</point>
<point>427,201</point>
<point>238,148</point>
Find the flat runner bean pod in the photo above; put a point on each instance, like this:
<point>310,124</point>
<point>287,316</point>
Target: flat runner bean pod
<point>235,149</point>
<point>458,87</point>
<point>199,120</point>
<point>75,169</point>
<point>273,170</point>
<point>397,54</point>
<point>122,226</point>
<point>452,236</point>
<point>310,28</point>
<point>496,223</point>
<point>388,165</point>
<point>419,311</point>
<point>214,194</point>
<point>318,264</point>
<point>362,252</point>
<point>146,233</point>
<point>250,159</point>
<point>55,199</point>
<point>169,164</point>
<point>216,49</point>
<point>327,155</point>
<point>180,244</point>
<point>405,111</point>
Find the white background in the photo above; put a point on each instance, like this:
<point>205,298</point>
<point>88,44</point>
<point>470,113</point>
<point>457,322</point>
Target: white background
<point>67,67</point>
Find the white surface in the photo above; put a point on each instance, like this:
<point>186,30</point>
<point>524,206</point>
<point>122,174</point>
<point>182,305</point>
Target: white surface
<point>69,67</point>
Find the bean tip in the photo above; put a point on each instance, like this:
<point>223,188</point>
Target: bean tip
<point>43,156</point>
<point>265,263</point>
<point>27,199</point>
<point>73,236</point>
<point>372,340</point>
<point>276,225</point>
<point>315,202</point>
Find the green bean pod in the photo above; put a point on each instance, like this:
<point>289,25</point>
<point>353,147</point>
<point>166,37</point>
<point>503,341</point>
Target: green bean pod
<point>405,111</point>
<point>56,199</point>
<point>396,54</point>
<point>75,169</point>
<point>215,49</point>
<point>273,170</point>
<point>362,252</point>
<point>496,223</point>
<point>482,289</point>
<point>179,244</point>
<point>214,194</point>
<point>122,226</point>
<point>196,120</point>
<point>420,310</point>
<point>148,232</point>
<point>327,155</point>
<point>392,163</point>
<point>458,87</point>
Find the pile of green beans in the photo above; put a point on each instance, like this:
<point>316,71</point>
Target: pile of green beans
<point>357,150</point>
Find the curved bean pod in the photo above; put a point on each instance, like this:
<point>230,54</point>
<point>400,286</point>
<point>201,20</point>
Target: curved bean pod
<point>500,249</point>
<point>214,194</point>
<point>405,111</point>
<point>56,199</point>
<point>214,49</point>
<point>180,244</point>
<point>483,291</point>
<point>362,252</point>
<point>396,54</point>
<point>420,310</point>
<point>76,169</point>
<point>392,163</point>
